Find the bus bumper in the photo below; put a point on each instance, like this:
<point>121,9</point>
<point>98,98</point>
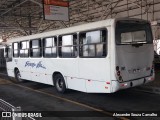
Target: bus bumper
<point>116,85</point>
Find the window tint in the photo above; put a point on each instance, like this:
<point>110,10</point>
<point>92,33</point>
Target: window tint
<point>93,43</point>
<point>68,46</point>
<point>24,49</point>
<point>50,47</point>
<point>15,50</point>
<point>133,32</point>
<point>8,51</point>
<point>35,49</point>
<point>137,36</point>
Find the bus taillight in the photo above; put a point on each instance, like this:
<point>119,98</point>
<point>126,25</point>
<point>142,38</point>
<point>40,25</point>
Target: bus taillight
<point>120,78</point>
<point>119,73</point>
<point>117,68</point>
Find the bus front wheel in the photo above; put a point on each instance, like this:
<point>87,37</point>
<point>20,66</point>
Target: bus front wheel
<point>59,83</point>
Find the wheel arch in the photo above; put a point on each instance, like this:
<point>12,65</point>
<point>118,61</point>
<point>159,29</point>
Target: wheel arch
<point>57,72</point>
<point>15,69</point>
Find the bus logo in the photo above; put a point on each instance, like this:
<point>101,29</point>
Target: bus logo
<point>35,65</point>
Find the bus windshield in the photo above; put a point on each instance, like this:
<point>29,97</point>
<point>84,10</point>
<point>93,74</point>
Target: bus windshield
<point>133,32</point>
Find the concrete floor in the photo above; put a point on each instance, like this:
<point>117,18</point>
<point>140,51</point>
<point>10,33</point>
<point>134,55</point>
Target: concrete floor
<point>156,82</point>
<point>33,96</point>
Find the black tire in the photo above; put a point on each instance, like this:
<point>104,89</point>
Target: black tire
<point>59,83</point>
<point>18,76</point>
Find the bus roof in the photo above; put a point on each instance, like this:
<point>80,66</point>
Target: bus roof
<point>74,29</point>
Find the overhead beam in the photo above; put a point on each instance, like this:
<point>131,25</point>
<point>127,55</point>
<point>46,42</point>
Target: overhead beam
<point>40,4</point>
<point>13,7</point>
<point>17,28</point>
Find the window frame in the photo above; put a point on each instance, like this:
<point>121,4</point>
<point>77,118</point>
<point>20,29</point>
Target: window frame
<point>77,44</point>
<point>40,48</point>
<point>146,28</point>
<point>43,47</point>
<point>104,43</point>
<point>15,49</point>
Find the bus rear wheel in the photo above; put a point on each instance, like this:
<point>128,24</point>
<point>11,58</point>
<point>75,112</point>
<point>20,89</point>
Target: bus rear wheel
<point>18,76</point>
<point>59,83</point>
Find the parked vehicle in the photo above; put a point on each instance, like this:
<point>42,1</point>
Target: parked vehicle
<point>99,57</point>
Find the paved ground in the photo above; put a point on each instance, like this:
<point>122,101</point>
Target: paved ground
<point>156,82</point>
<point>33,96</point>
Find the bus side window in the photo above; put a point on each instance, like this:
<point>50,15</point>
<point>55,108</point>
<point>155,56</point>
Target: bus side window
<point>68,46</point>
<point>16,49</point>
<point>50,47</point>
<point>24,49</point>
<point>35,48</point>
<point>93,43</point>
<point>8,54</point>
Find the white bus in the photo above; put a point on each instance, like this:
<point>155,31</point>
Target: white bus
<point>99,57</point>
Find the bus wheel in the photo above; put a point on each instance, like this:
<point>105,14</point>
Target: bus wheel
<point>18,76</point>
<point>59,83</point>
